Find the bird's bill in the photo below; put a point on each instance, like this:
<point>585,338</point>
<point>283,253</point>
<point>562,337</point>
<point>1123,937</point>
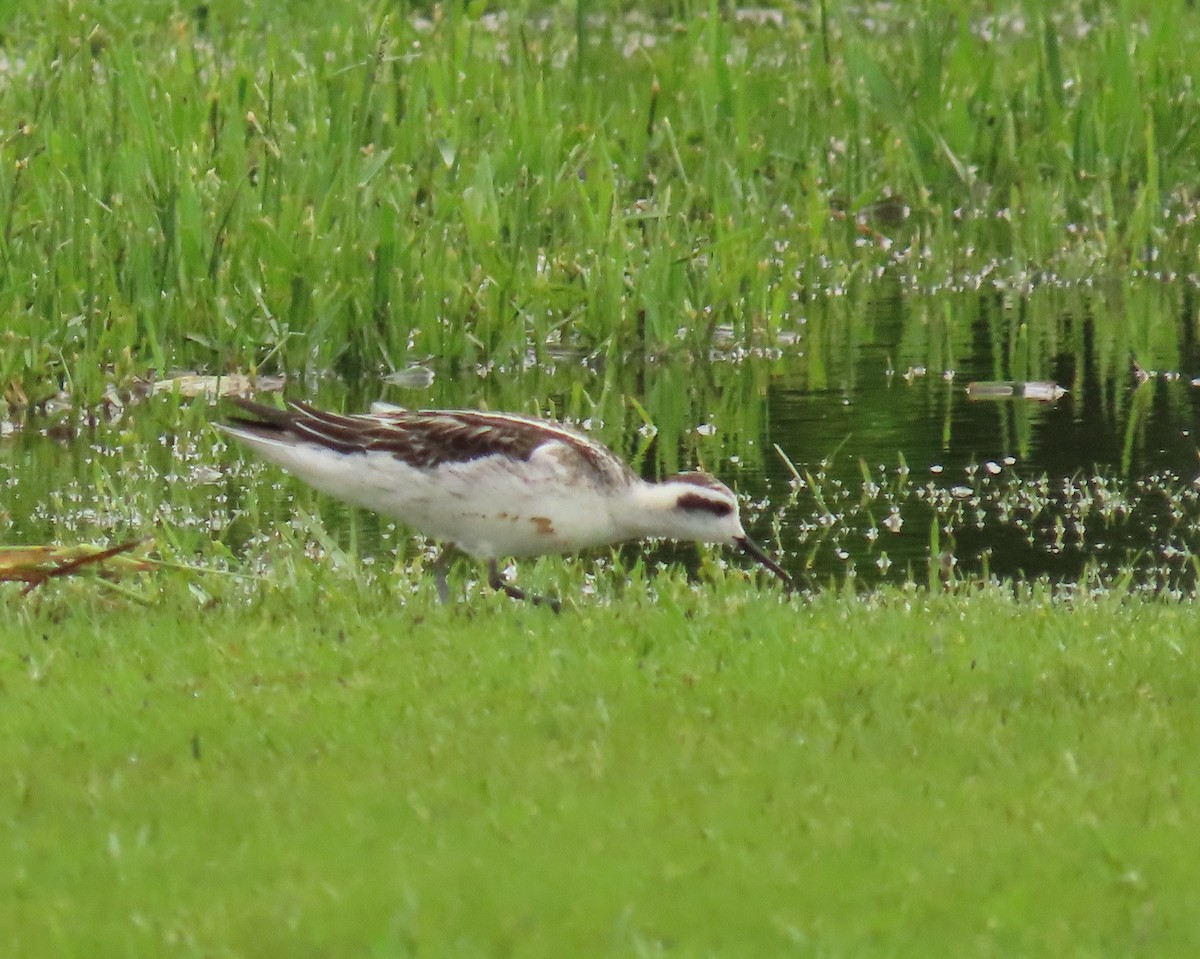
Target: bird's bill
<point>751,548</point>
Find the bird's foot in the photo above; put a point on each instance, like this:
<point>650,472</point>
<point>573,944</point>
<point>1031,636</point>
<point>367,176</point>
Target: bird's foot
<point>496,581</point>
<point>440,565</point>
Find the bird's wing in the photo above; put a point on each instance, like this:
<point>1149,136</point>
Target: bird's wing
<point>427,439</point>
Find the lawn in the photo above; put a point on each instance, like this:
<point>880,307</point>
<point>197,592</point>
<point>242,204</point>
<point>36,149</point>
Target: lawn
<point>689,772</point>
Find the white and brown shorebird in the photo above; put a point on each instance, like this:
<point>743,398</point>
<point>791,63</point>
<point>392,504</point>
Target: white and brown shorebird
<point>492,485</point>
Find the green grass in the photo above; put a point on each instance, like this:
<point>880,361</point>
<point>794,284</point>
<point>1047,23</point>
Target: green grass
<point>265,188</point>
<point>323,771</point>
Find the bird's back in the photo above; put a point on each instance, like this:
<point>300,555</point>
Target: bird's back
<point>493,484</point>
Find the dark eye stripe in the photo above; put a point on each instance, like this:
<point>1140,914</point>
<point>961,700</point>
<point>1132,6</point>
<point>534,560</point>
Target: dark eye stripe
<point>698,502</point>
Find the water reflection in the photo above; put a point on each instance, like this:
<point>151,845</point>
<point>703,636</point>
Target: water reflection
<point>1101,480</point>
<point>897,474</point>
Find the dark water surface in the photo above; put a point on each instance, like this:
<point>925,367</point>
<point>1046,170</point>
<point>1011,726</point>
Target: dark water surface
<point>901,475</point>
<point>1100,483</point>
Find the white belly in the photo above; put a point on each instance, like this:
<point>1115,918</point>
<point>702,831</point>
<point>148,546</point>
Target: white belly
<point>488,508</point>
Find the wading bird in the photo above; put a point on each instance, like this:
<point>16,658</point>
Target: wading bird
<point>491,485</point>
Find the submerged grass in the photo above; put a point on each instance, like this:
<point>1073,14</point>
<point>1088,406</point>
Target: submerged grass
<point>324,771</point>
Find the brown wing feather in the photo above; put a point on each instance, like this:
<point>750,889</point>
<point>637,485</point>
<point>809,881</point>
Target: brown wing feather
<point>427,438</point>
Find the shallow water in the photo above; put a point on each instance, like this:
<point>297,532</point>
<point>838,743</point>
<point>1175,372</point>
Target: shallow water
<point>901,475</point>
<point>1099,483</point>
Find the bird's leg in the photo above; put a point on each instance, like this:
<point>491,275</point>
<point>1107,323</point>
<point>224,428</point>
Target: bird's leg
<point>441,563</point>
<point>496,581</point>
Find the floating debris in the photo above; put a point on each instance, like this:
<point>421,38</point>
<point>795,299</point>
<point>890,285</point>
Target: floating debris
<point>412,378</point>
<point>190,385</point>
<point>34,565</point>
<point>1041,391</point>
<point>14,396</point>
